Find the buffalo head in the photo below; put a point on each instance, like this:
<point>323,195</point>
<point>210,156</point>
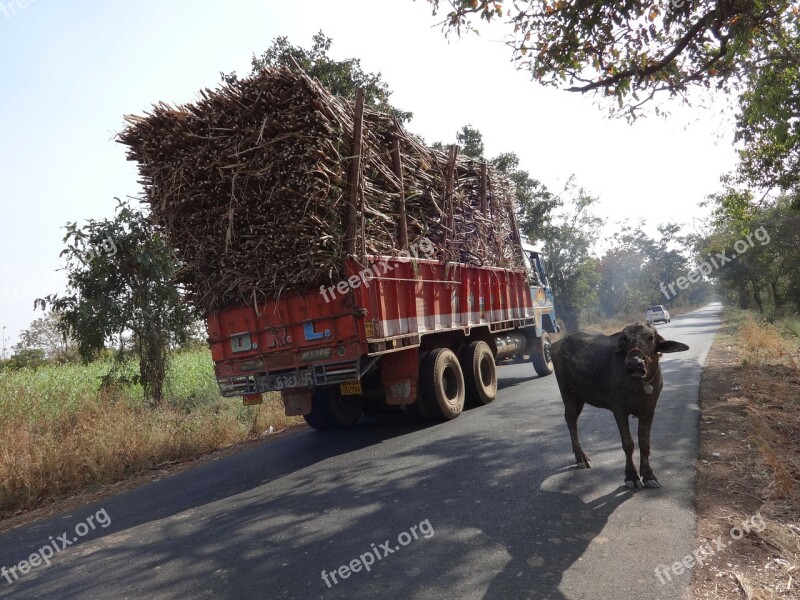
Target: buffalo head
<point>641,345</point>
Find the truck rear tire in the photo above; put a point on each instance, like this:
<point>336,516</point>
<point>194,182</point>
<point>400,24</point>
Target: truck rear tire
<point>442,385</point>
<point>331,410</point>
<point>319,418</point>
<point>345,411</point>
<point>541,357</point>
<point>480,373</point>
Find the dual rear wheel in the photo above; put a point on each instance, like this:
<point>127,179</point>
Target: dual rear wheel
<point>447,382</point>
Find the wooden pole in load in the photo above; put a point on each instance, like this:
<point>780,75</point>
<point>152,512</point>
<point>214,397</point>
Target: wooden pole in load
<point>514,226</point>
<point>354,176</point>
<point>484,207</point>
<point>448,187</point>
<point>402,226</point>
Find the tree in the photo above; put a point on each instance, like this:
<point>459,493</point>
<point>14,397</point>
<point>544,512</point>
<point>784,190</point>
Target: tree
<point>757,247</point>
<point>120,282</point>
<point>636,269</point>
<point>768,124</point>
<point>569,235</point>
<point>632,50</point>
<point>534,199</point>
<point>47,335</point>
<point>341,77</point>
<point>25,358</point>
<point>470,142</point>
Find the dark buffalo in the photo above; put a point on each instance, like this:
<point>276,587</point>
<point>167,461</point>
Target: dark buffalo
<point>619,372</point>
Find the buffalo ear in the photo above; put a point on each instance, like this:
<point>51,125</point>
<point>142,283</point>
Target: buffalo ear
<point>665,346</point>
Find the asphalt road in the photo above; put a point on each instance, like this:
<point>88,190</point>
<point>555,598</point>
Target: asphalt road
<point>486,506</point>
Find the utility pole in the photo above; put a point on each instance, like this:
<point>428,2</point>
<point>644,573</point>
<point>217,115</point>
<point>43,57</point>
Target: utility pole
<point>4,342</point>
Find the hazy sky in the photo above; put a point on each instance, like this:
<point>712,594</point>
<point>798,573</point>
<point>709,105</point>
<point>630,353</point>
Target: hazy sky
<point>70,70</point>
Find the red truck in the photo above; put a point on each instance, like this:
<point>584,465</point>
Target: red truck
<point>399,331</point>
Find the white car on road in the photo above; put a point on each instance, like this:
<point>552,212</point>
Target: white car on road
<point>657,313</point>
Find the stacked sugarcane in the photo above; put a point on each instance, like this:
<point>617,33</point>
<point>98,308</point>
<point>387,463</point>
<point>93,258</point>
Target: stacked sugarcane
<point>249,184</point>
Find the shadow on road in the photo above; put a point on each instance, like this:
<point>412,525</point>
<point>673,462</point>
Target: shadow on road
<point>482,496</point>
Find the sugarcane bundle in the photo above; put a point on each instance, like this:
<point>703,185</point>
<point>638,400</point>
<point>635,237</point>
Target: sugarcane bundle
<point>249,184</point>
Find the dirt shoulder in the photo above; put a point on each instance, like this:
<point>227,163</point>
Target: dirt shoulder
<point>748,469</point>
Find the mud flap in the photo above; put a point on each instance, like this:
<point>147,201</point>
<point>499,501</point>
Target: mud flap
<point>399,377</point>
<point>297,402</point>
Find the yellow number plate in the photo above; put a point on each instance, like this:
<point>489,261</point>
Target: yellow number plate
<point>350,388</point>
<point>252,399</point>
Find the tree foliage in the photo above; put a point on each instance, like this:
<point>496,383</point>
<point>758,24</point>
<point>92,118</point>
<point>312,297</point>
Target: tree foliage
<point>757,248</point>
<point>25,358</point>
<point>535,201</point>
<point>120,285</point>
<point>768,124</point>
<point>569,236</point>
<point>635,266</point>
<point>341,77</point>
<point>470,142</point>
<point>47,334</point>
<point>632,50</point>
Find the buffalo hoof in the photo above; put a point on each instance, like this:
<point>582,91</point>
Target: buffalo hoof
<point>582,461</point>
<point>652,483</point>
<point>633,483</point>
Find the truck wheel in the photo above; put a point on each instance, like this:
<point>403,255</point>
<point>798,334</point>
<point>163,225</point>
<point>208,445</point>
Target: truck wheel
<point>330,410</point>
<point>480,373</point>
<point>540,357</point>
<point>319,418</point>
<point>442,383</point>
<point>345,411</point>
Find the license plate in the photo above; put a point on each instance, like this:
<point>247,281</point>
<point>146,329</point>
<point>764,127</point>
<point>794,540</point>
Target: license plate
<point>350,388</point>
<point>252,399</point>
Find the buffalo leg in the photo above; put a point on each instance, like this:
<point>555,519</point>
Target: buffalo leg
<point>631,476</point>
<point>648,476</point>
<point>572,410</point>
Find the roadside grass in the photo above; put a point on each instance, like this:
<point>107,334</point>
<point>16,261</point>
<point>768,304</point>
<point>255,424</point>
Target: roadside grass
<point>770,357</point>
<point>749,457</point>
<point>62,433</point>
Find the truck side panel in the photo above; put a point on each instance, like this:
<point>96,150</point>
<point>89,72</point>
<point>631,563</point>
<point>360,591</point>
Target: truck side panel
<point>414,298</point>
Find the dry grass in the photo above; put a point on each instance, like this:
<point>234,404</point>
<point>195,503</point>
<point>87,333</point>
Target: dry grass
<point>771,381</point>
<point>762,342</point>
<point>60,434</point>
<point>766,440</point>
<point>751,386</point>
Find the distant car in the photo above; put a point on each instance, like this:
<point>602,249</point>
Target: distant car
<point>657,313</point>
